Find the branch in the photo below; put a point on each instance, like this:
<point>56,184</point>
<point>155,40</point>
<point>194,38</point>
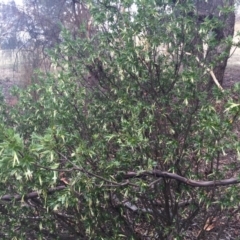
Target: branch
<point>129,175</point>
<point>18,197</point>
<point>210,71</point>
<point>193,183</point>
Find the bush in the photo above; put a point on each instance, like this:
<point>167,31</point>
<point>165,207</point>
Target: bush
<point>108,146</point>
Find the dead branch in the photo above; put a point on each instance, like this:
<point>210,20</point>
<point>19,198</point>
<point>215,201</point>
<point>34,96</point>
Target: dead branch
<point>210,71</point>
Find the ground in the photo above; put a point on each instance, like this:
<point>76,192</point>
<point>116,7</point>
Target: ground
<point>232,73</point>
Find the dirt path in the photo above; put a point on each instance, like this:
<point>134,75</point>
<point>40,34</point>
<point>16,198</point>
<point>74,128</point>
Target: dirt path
<point>232,73</point>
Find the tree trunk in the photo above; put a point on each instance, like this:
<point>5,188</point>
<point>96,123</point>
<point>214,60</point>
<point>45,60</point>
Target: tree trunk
<point>213,9</point>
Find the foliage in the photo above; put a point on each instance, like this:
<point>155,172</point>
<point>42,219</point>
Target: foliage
<point>95,150</point>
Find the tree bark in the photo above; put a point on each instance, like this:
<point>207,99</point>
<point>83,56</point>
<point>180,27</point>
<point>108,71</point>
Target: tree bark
<point>212,9</point>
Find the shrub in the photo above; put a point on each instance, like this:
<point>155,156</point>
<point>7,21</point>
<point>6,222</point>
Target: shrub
<point>127,140</point>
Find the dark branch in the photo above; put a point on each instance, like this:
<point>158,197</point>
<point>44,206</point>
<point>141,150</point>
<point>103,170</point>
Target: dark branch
<point>34,194</point>
<point>155,173</point>
<point>193,183</point>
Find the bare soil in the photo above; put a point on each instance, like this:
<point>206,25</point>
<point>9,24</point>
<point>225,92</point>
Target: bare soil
<point>232,73</point>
